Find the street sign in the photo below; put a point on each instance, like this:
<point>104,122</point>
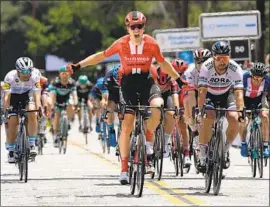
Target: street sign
<point>240,49</point>
<point>173,40</point>
<point>237,25</point>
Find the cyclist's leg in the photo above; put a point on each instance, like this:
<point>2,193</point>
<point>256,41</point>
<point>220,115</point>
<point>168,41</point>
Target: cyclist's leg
<point>127,94</point>
<point>78,111</point>
<point>189,102</point>
<point>112,101</point>
<point>265,126</point>
<point>98,113</point>
<point>90,112</point>
<point>110,122</point>
<point>56,126</point>
<point>32,128</point>
<point>206,131</point>
<point>151,95</point>
<point>184,132</point>
<point>243,130</point>
<point>233,123</point>
<point>169,120</point>
<point>12,129</point>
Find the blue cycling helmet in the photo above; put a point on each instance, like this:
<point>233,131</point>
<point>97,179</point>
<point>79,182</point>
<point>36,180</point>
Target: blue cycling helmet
<point>221,48</point>
<point>115,73</point>
<point>100,82</point>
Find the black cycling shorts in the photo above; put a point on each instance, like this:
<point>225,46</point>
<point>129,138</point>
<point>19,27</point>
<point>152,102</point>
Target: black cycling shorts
<point>225,100</point>
<point>17,100</point>
<point>114,94</point>
<point>138,83</point>
<point>251,103</point>
<point>168,102</point>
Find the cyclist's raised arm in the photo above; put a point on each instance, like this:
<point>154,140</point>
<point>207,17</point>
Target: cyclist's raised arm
<point>92,59</point>
<point>98,57</point>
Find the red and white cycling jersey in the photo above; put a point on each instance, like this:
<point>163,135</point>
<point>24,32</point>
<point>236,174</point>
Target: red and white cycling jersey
<point>219,84</point>
<point>135,59</point>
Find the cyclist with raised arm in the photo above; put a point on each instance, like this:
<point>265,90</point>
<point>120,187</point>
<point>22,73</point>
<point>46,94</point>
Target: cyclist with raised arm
<point>220,83</point>
<point>22,87</point>
<point>62,87</point>
<point>136,51</point>
<point>256,84</point>
<point>84,86</point>
<point>111,99</point>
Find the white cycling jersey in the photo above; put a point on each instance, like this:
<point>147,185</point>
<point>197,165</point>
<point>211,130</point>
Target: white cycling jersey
<point>13,85</point>
<point>219,84</point>
<point>192,76</point>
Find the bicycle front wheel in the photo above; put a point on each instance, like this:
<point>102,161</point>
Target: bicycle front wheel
<point>218,160</point>
<point>252,153</point>
<point>259,146</point>
<point>141,163</point>
<point>158,151</point>
<point>179,154</point>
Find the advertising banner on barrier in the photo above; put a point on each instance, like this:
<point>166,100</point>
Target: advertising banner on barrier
<point>230,25</point>
<point>173,40</point>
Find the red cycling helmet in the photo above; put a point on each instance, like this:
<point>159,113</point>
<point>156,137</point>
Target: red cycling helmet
<point>135,17</point>
<point>179,65</point>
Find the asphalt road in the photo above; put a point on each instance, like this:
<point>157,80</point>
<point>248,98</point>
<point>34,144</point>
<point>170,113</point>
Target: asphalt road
<point>86,176</point>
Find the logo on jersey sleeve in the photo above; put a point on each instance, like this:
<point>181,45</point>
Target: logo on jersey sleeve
<point>38,85</point>
<point>6,86</point>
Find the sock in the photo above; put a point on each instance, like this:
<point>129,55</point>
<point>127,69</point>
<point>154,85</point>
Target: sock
<point>124,164</point>
<point>97,120</point>
<point>265,144</point>
<point>32,140</point>
<point>149,135</point>
<point>203,151</point>
<point>10,146</point>
<point>111,127</point>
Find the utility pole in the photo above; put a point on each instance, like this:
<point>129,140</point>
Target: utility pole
<point>184,13</point>
<point>260,5</point>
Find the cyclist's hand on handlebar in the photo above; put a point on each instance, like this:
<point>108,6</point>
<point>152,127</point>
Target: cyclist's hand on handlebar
<point>241,119</point>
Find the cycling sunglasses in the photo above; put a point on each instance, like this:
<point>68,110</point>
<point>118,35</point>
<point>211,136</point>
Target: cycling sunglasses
<point>225,58</point>
<point>258,77</point>
<point>25,71</point>
<point>134,26</point>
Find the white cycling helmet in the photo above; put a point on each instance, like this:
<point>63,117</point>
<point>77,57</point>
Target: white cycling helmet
<point>24,64</point>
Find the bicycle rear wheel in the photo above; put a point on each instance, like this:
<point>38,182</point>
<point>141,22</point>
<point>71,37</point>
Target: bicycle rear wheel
<point>140,172</point>
<point>259,146</point>
<point>218,160</point>
<point>158,152</point>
